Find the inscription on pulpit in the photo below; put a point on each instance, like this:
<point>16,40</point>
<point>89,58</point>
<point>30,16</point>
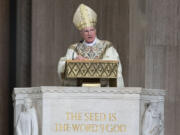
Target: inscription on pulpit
<point>91,122</point>
<point>97,116</point>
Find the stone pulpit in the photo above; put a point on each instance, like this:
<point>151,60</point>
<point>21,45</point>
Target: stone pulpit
<point>55,110</point>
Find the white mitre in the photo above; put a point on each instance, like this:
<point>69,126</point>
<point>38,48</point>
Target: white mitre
<point>84,17</point>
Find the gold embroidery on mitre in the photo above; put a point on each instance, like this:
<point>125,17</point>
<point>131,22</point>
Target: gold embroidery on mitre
<point>84,17</point>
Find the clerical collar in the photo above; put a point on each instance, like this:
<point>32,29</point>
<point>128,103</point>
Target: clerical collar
<point>90,44</point>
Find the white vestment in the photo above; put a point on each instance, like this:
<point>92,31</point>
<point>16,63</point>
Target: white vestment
<point>98,52</point>
<point>27,123</point>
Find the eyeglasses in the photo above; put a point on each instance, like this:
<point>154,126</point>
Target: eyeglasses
<point>88,31</point>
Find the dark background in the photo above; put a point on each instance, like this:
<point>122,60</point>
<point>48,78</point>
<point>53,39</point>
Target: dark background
<point>34,34</point>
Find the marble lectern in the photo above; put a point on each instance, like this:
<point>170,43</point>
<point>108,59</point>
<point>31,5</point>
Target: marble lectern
<point>94,111</point>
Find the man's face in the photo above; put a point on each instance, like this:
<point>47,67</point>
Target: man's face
<point>88,34</point>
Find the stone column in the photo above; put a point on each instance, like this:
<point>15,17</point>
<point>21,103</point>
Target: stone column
<point>23,43</point>
<point>137,31</point>
<point>4,62</point>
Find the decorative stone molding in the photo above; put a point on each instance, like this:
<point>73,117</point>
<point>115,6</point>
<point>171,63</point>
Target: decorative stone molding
<point>113,90</point>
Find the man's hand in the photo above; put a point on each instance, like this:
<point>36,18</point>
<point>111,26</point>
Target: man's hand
<point>79,57</point>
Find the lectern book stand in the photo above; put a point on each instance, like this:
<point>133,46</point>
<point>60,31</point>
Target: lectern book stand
<point>92,72</point>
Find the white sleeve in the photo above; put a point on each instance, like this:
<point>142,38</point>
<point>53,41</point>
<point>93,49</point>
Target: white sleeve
<point>112,54</point>
<point>71,54</point>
